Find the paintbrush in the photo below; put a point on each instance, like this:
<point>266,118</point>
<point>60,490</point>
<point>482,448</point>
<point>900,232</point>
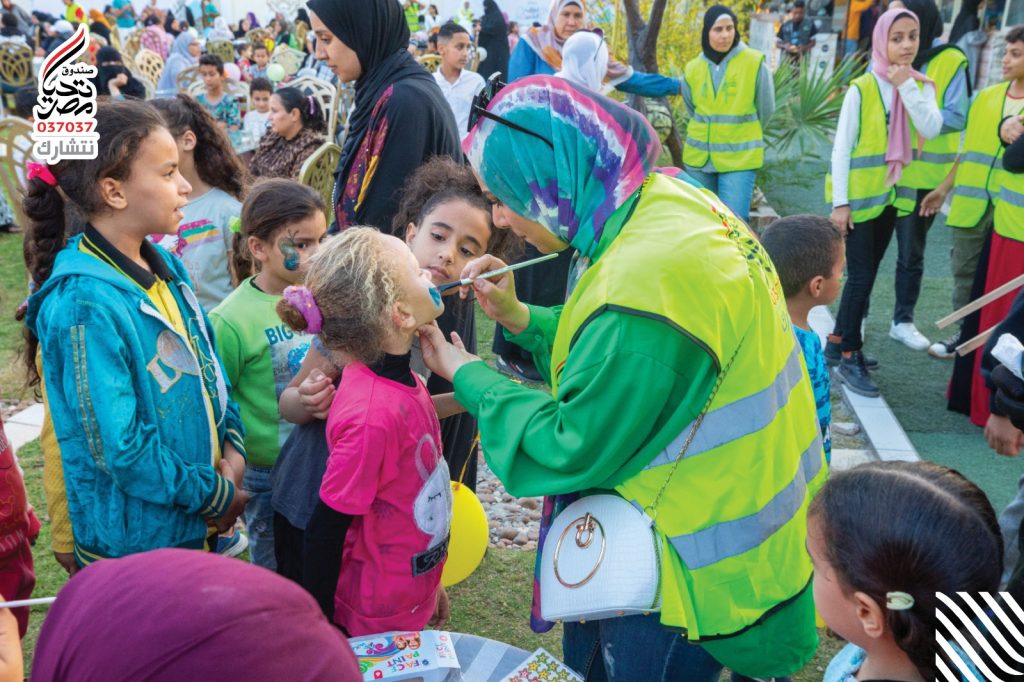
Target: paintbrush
<point>494,273</point>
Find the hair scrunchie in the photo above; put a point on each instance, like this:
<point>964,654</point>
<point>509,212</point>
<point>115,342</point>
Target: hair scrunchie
<point>301,298</point>
<point>41,171</point>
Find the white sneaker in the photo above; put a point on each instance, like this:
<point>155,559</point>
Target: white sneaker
<point>907,334</point>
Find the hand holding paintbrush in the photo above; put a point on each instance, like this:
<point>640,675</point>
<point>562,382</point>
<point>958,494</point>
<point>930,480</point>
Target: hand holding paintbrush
<point>495,290</point>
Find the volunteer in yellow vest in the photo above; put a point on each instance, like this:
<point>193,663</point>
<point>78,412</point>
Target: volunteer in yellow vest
<point>1003,256</point>
<point>730,95</point>
<point>413,10</point>
<point>928,179</point>
<point>669,291</point>
<point>993,121</point>
<point>872,148</point>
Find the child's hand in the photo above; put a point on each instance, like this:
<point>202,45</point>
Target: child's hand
<point>227,521</point>
<point>442,358</point>
<point>232,464</point>
<point>67,562</point>
<point>442,611</point>
<point>1011,129</point>
<point>316,393</point>
<point>841,217</point>
<point>932,202</point>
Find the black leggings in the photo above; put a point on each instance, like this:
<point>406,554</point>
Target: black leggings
<point>865,247</point>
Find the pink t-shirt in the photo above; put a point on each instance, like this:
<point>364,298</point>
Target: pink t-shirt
<point>386,469</point>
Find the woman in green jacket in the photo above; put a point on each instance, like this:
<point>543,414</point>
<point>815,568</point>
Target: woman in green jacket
<point>674,311</point>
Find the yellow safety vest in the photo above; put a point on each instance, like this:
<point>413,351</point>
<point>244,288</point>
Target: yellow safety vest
<point>725,126</point>
<point>979,174</point>
<point>733,516</point>
<point>1008,219</point>
<point>868,192</point>
<point>932,164</point>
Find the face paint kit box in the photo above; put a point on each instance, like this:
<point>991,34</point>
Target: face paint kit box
<point>428,655</point>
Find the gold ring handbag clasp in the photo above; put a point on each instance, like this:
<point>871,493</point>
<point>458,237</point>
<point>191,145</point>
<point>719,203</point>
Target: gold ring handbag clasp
<point>585,526</point>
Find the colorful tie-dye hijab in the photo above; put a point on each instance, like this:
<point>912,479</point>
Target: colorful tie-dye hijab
<point>600,155</point>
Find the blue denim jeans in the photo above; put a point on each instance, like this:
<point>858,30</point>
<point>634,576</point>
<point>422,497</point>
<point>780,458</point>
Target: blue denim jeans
<point>259,516</point>
<point>635,648</point>
<point>735,189</point>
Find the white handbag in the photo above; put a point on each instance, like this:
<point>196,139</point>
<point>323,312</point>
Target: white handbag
<point>600,560</point>
<point>602,556</point>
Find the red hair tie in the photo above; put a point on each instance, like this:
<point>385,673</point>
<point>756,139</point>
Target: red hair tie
<point>41,171</point>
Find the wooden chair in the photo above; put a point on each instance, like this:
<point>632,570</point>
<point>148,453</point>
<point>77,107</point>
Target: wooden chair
<point>149,65</point>
<point>188,78</point>
<point>318,172</point>
<point>15,152</point>
<point>223,49</point>
<point>326,94</point>
<point>430,62</point>
<point>290,59</point>
<point>15,69</point>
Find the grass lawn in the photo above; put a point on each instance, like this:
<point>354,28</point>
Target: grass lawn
<point>13,289</point>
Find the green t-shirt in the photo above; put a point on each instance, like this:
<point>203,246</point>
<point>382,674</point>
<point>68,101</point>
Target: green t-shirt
<point>261,355</point>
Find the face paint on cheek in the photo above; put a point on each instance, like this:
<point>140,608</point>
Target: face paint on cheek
<point>290,253</point>
<point>435,296</point>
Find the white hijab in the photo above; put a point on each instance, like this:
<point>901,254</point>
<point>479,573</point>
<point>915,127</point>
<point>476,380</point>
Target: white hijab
<point>585,61</point>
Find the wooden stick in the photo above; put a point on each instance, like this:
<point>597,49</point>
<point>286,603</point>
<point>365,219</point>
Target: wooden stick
<point>978,341</point>
<point>981,302</point>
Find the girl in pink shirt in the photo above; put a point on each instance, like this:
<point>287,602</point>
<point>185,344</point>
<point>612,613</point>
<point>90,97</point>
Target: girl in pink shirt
<point>377,541</point>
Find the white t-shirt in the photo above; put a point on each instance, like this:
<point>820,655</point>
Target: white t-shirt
<point>460,95</point>
<point>256,123</point>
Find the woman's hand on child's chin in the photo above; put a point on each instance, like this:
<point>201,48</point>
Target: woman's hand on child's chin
<point>442,611</point>
<point>316,393</point>
<point>442,358</point>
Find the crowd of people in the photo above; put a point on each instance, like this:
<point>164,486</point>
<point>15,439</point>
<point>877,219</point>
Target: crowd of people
<point>218,350</point>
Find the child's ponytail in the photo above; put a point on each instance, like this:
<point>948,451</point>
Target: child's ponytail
<point>902,531</point>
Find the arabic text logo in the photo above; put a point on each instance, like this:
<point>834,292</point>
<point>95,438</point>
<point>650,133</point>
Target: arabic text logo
<point>65,115</point>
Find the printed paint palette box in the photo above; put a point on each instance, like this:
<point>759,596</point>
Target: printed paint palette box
<point>543,667</point>
<point>428,655</point>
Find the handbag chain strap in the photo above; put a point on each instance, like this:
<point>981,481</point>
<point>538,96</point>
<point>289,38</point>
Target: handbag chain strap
<point>652,508</point>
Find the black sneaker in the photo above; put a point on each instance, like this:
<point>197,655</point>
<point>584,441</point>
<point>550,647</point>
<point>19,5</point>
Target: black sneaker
<point>833,355</point>
<point>518,369</point>
<point>853,372</point>
<point>945,350</point>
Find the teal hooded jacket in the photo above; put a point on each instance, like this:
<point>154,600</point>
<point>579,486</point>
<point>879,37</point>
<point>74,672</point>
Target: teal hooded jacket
<point>125,392</point>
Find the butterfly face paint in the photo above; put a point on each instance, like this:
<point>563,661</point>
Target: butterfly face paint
<point>290,253</point>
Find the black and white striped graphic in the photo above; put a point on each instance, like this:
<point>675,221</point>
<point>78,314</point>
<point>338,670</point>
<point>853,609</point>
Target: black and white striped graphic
<point>981,637</point>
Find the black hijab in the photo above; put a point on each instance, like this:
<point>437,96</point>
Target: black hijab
<point>109,64</point>
<point>377,32</point>
<point>966,21</point>
<point>931,29</point>
<point>710,17</point>
<point>493,38</point>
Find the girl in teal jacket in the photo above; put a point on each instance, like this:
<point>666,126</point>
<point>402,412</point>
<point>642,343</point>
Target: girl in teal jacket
<point>150,442</point>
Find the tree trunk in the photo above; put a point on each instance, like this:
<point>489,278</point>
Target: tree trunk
<point>643,56</point>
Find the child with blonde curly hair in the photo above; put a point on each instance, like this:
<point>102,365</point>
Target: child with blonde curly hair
<point>378,538</point>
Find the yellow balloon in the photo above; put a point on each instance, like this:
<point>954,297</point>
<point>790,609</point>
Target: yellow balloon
<point>469,536</point>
